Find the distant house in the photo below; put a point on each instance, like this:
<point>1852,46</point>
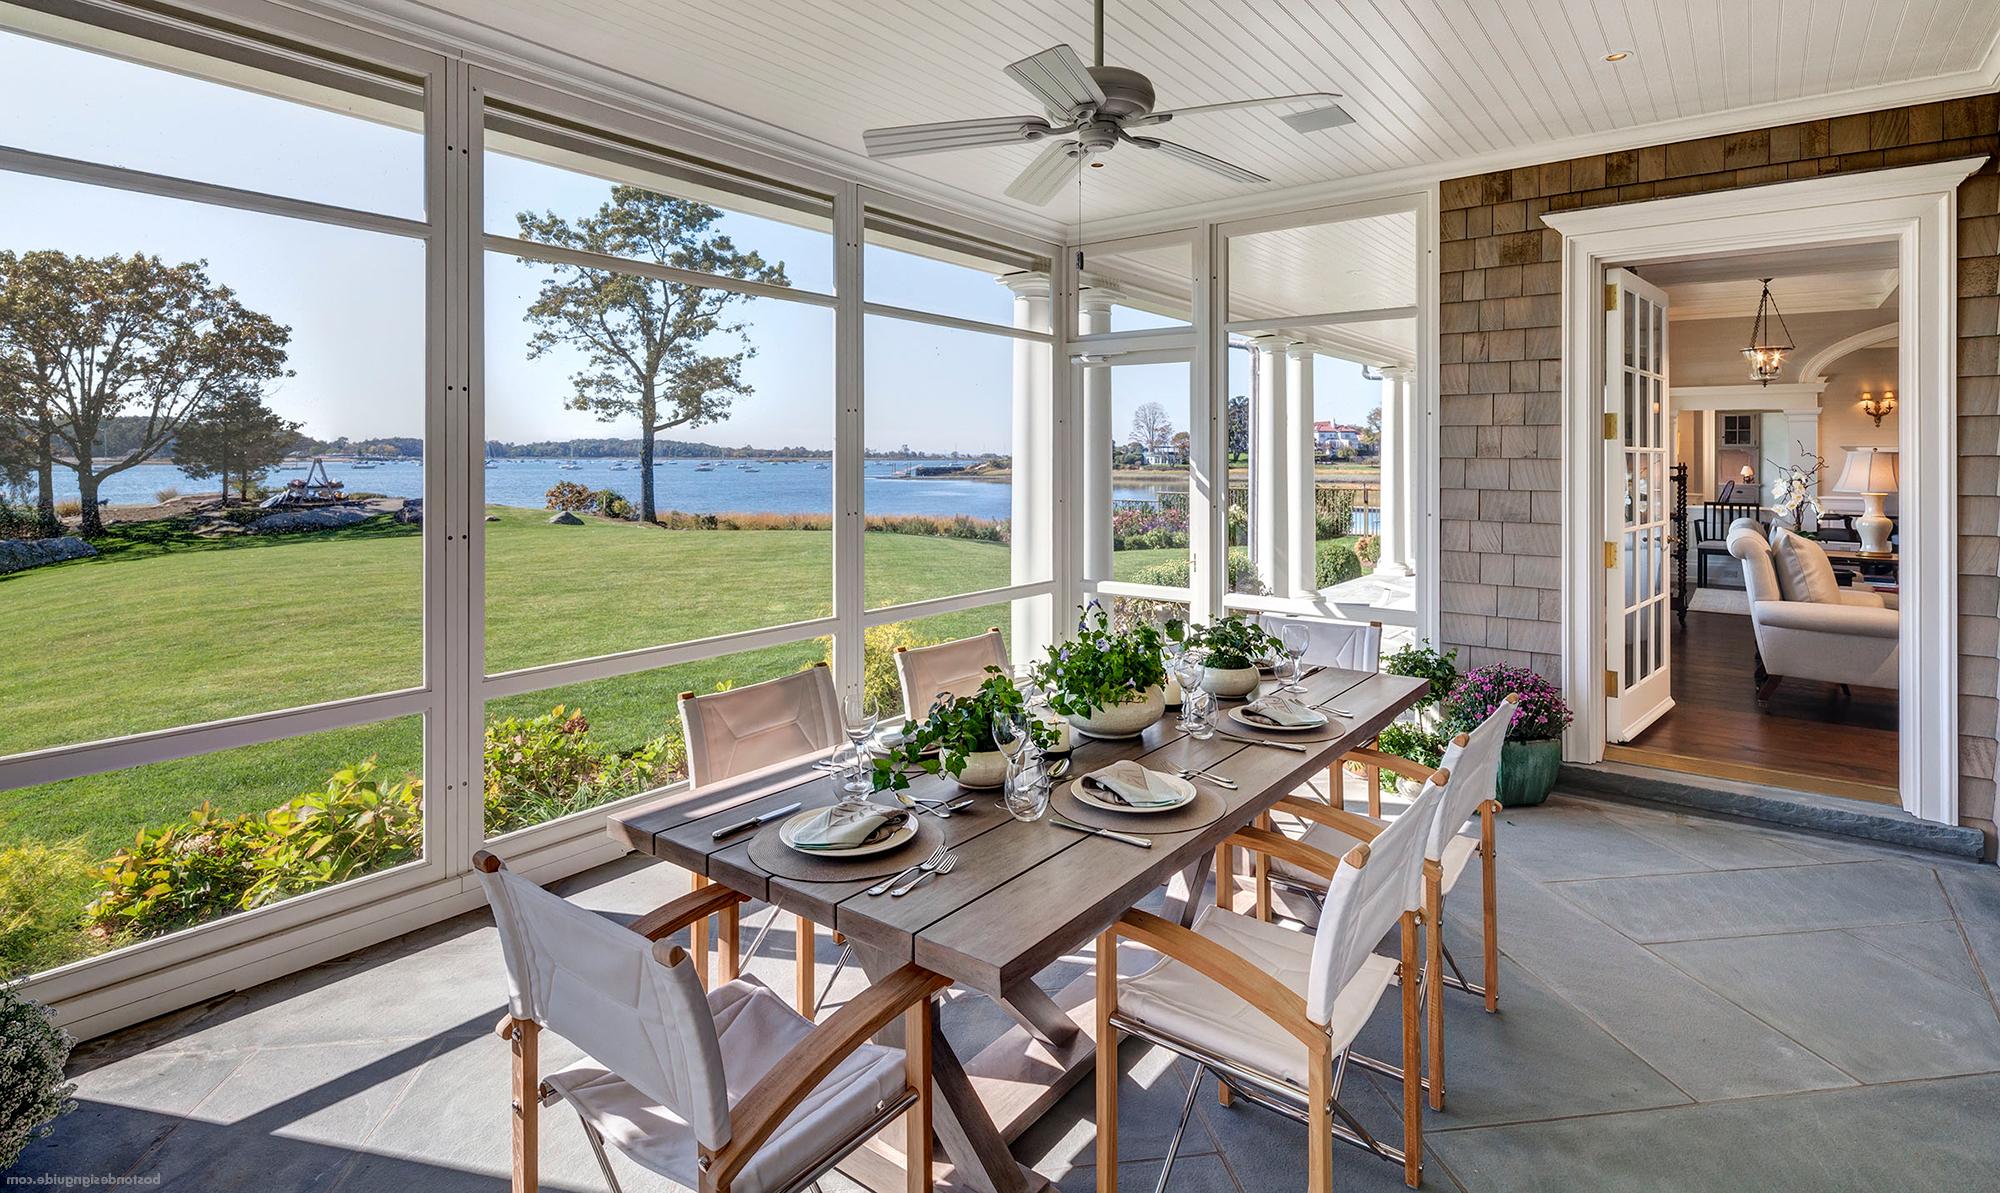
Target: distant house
<point>1169,456</point>
<point>1332,439</point>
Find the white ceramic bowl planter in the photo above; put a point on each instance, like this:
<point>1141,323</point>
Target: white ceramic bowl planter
<point>1229,682</point>
<point>1127,719</point>
<point>984,770</point>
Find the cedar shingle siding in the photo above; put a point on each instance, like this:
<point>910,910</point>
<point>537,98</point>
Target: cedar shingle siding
<point>1500,373</point>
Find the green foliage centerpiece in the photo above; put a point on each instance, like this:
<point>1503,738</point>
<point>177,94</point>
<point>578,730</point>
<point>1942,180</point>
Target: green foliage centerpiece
<point>956,738</point>
<point>1107,682</point>
<point>1231,647</point>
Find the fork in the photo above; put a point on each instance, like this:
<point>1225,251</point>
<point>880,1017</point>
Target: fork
<point>942,867</point>
<point>1218,780</point>
<point>882,887</point>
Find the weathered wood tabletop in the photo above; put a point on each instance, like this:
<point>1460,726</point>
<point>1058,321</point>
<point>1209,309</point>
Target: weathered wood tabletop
<point>1021,896</point>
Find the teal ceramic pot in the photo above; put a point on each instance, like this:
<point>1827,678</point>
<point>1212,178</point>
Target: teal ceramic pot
<point>1528,771</point>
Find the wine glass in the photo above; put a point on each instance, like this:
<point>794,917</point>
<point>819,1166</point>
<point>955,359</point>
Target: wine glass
<point>1295,638</point>
<point>859,714</point>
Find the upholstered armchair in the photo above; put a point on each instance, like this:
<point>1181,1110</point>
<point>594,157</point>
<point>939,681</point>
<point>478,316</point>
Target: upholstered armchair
<point>1844,636</point>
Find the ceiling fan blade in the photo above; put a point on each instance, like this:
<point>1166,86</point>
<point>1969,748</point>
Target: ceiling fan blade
<point>1046,174</point>
<point>904,140</point>
<point>1058,78</point>
<point>1229,170</point>
<point>1234,104</point>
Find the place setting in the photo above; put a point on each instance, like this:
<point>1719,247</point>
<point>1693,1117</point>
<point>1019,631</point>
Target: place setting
<point>852,838</point>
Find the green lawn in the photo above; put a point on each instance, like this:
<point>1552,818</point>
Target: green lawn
<point>161,630</point>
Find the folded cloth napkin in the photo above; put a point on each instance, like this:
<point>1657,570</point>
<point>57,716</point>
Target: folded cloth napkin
<point>838,828</point>
<point>1136,785</point>
<point>1283,710</point>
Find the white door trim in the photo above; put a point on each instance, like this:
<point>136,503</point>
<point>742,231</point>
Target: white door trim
<point>1914,206</point>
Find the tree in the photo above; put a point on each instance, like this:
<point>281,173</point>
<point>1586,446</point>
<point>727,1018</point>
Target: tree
<point>1371,435</point>
<point>1239,427</point>
<point>86,340</point>
<point>1151,428</point>
<point>238,437</point>
<point>643,337</point>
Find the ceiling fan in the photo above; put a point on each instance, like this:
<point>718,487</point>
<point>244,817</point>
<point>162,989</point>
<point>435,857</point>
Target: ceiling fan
<point>1091,109</point>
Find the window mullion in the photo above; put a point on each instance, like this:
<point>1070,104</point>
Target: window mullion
<point>849,449</point>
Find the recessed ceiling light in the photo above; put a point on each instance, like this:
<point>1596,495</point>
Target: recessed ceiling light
<point>1097,165</point>
<point>1618,55</point>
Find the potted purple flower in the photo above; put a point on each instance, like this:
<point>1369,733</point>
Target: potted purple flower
<point>1533,753</point>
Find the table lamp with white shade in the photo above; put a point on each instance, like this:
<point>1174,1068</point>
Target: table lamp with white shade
<point>1871,472</point>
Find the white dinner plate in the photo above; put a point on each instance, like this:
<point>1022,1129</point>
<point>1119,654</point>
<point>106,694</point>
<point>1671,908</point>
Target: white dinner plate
<point>1084,795</point>
<point>1238,715</point>
<point>894,840</point>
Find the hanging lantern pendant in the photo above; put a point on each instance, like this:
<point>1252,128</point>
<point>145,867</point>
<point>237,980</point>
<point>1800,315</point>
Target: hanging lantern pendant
<point>1766,356</point>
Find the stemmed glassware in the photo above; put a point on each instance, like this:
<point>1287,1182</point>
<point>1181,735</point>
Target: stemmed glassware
<point>1295,638</point>
<point>859,714</point>
<point>1026,794</point>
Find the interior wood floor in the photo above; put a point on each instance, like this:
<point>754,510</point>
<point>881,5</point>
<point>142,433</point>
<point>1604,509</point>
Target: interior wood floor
<point>1808,737</point>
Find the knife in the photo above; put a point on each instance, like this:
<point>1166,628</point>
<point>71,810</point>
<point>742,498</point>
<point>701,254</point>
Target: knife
<point>730,830</point>
<point>1128,838</point>
<point>1255,741</point>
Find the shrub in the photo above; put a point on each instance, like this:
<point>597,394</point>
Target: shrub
<point>610,503</point>
<point>879,681</point>
<point>211,865</point>
<point>1414,742</point>
<point>1541,715</point>
<point>1368,548</point>
<point>539,768</point>
<point>1334,563</point>
<point>33,1051</point>
<point>1422,661</point>
<point>1174,573</point>
<point>69,507</point>
<point>164,495</point>
<point>569,497</point>
<point>41,887</point>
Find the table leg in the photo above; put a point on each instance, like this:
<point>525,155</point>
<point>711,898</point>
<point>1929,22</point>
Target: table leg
<point>972,1143</point>
<point>1039,1013</point>
<point>1184,890</point>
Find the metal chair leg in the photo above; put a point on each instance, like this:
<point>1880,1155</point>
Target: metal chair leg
<point>597,1148</point>
<point>1456,978</point>
<point>757,941</point>
<point>1180,1128</point>
<point>845,952</point>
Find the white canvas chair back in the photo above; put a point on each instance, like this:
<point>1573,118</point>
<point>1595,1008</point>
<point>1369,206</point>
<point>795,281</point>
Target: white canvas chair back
<point>599,986</point>
<point>1347,645</point>
<point>954,668</point>
<point>740,730</point>
<point>1475,775</point>
<point>1364,902</point>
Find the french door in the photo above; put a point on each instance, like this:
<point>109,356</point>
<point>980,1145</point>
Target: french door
<point>1638,443</point>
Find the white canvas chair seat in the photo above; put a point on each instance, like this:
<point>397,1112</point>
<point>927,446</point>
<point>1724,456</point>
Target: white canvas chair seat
<point>1452,858</point>
<point>755,1029</point>
<point>1177,1001</point>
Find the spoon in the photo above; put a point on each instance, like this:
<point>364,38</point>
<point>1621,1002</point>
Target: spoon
<point>1058,768</point>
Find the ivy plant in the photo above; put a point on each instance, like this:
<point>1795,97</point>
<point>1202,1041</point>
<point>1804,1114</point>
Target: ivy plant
<point>1425,662</point>
<point>955,728</point>
<point>1233,643</point>
<point>1101,666</point>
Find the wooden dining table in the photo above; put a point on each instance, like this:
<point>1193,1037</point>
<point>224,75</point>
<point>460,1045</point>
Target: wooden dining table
<point>1021,896</point>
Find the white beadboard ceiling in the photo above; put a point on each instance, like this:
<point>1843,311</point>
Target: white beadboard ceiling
<point>1431,83</point>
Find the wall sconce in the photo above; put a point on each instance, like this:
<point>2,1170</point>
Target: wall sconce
<point>1875,407</point>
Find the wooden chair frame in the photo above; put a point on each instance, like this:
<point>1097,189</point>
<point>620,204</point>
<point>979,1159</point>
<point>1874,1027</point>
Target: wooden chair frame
<point>1282,1006</point>
<point>905,994</point>
<point>1439,969</point>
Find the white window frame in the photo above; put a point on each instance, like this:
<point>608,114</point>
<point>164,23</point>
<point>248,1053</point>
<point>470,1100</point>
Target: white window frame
<point>147,978</point>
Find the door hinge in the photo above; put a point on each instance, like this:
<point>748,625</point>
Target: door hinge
<point>1611,555</point>
<point>1611,426</point>
<point>1610,683</point>
<point>1610,296</point>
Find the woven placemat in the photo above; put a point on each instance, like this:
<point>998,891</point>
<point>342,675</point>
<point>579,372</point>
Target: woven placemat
<point>1205,809</point>
<point>777,858</point>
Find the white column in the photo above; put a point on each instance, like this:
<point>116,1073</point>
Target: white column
<point>1302,478</point>
<point>1394,449</point>
<point>1094,317</point>
<point>1269,527</point>
<point>1033,556</point>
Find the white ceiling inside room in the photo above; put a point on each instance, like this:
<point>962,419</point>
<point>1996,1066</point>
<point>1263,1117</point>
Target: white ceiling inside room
<point>1839,277</point>
<point>1430,83</point>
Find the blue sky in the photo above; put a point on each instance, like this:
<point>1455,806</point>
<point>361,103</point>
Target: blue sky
<point>354,299</point>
